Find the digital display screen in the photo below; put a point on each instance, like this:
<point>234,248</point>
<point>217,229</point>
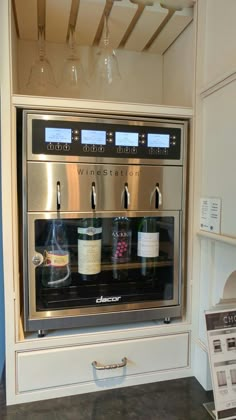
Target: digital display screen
<point>126,139</point>
<point>158,140</point>
<point>58,135</point>
<point>93,137</point>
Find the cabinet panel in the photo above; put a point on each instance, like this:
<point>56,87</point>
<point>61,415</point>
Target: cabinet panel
<point>218,156</point>
<point>220,55</point>
<point>72,365</point>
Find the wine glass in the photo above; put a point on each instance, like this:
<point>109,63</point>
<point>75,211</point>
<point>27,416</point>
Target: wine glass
<point>41,76</point>
<point>106,63</point>
<point>73,75</point>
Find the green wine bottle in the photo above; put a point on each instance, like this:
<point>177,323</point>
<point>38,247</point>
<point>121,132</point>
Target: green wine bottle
<point>89,248</point>
<point>148,246</point>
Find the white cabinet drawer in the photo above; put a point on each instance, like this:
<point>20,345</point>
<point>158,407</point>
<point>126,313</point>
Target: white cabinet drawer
<point>56,367</point>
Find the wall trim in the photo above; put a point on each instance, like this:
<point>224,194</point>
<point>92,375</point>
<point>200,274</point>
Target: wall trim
<point>218,84</point>
<point>229,240</point>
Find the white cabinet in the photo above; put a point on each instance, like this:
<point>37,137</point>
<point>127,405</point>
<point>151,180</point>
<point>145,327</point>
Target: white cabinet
<point>58,367</point>
<point>149,88</point>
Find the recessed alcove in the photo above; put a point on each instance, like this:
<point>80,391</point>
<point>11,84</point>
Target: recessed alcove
<point>154,48</point>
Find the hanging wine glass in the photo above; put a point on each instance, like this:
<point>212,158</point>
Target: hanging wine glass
<point>41,76</point>
<point>106,64</point>
<point>73,76</point>
<point>176,4</point>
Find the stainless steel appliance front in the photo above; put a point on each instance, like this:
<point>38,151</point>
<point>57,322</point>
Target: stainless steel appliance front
<point>103,219</point>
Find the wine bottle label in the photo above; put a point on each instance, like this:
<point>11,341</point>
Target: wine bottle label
<point>89,261</point>
<point>148,244</point>
<point>56,258</point>
<point>90,231</point>
<point>121,246</point>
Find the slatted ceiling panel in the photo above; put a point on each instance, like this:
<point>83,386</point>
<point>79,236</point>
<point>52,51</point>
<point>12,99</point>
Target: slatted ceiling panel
<point>146,26</point>
<point>88,19</point>
<point>120,17</point>
<point>90,13</point>
<point>171,31</point>
<point>28,28</point>
<point>57,20</point>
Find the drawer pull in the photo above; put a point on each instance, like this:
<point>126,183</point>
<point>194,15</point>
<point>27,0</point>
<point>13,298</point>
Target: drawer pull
<point>114,366</point>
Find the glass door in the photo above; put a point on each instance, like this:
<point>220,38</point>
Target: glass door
<point>103,262</point>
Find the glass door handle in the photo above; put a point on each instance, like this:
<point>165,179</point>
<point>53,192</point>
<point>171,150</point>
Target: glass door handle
<point>58,195</point>
<point>113,366</point>
<point>93,197</point>
<point>37,259</point>
<point>126,197</point>
<point>158,196</point>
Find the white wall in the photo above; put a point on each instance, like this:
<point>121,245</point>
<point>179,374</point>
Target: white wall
<point>220,57</point>
<point>178,70</point>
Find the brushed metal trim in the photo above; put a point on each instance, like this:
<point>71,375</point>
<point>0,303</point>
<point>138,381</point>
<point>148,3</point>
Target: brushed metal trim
<point>111,181</point>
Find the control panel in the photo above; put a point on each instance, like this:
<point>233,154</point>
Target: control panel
<point>106,139</point>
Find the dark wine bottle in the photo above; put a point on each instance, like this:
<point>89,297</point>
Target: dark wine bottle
<point>89,248</point>
<point>56,267</point>
<point>148,246</point>
<point>121,247</point>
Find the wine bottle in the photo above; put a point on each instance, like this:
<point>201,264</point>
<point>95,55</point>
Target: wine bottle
<point>89,248</point>
<point>56,267</point>
<point>148,246</point>
<point>121,246</point>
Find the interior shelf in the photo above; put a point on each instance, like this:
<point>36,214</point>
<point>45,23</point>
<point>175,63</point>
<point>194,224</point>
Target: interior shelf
<point>37,102</point>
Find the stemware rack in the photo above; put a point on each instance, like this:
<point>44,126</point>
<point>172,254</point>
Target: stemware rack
<point>133,27</point>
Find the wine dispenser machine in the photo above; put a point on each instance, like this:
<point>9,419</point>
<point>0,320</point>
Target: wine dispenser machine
<point>102,218</point>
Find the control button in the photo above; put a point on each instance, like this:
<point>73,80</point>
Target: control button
<point>76,138</point>
<point>110,140</point>
<point>151,151</point>
<point>174,143</point>
<point>127,149</point>
<point>85,149</point>
<point>119,149</point>
<point>58,147</point>
<point>66,147</point>
<point>110,134</point>
<point>94,148</point>
<point>50,146</point>
<point>142,141</point>
<point>134,150</point>
<point>174,137</point>
<point>76,132</point>
<point>143,136</point>
<point>101,149</point>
